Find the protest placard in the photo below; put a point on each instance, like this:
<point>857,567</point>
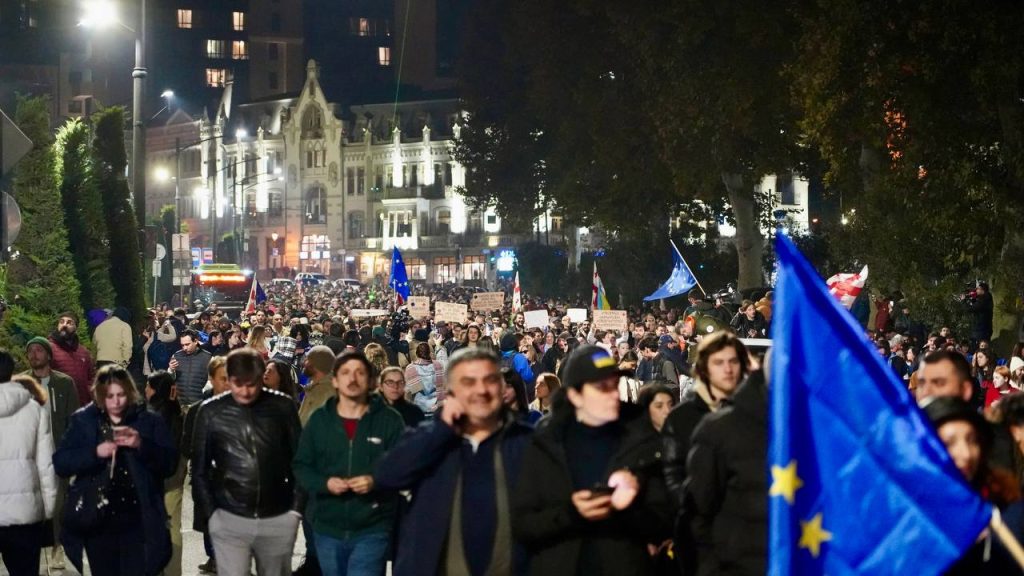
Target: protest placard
<point>487,301</point>
<point>419,306</point>
<point>536,318</point>
<point>611,320</point>
<point>364,312</point>
<point>577,315</point>
<point>450,312</point>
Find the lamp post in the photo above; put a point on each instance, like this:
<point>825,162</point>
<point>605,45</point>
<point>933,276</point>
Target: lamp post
<point>101,14</point>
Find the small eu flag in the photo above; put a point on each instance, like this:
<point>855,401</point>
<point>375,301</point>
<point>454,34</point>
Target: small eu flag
<point>860,483</point>
<point>399,279</point>
<point>680,282</point>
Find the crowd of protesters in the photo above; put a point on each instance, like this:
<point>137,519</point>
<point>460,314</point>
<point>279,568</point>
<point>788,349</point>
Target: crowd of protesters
<point>482,447</point>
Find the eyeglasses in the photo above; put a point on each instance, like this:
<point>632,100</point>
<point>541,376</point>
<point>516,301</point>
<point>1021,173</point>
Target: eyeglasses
<point>392,383</point>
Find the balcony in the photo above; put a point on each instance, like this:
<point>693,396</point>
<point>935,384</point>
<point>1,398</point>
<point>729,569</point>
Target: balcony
<point>432,192</point>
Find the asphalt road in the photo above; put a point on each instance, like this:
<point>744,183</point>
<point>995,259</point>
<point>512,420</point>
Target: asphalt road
<point>192,554</point>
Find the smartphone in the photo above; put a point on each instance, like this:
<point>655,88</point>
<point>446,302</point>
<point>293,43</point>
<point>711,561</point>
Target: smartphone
<point>601,490</point>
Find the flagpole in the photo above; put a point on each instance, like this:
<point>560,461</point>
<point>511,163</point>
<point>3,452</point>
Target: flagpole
<point>1004,534</point>
<point>683,260</point>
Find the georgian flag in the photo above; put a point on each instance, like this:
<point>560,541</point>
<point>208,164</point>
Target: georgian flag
<point>846,287</point>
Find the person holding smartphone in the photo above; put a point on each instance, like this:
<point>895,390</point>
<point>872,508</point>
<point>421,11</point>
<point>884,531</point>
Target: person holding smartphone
<point>591,497</point>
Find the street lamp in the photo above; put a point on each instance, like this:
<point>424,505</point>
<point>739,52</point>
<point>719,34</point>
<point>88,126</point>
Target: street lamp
<point>103,14</point>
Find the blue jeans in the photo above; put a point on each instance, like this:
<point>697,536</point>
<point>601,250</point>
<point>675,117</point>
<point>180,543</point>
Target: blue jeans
<point>358,556</point>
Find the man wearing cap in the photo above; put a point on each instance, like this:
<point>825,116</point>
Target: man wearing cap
<point>318,365</point>
<point>70,357</point>
<point>63,402</point>
<point>462,469</point>
<point>592,496</point>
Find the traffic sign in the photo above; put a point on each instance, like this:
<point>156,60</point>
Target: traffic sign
<point>161,252</point>
<point>13,144</point>
<point>157,265</point>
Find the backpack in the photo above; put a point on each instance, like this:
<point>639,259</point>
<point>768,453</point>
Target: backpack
<point>507,362</point>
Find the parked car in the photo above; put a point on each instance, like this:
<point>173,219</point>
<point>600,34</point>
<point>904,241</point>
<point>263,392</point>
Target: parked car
<point>347,283</point>
<point>310,278</point>
<point>282,282</point>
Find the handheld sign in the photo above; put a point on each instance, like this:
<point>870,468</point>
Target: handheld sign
<point>487,301</point>
<point>536,318</point>
<point>577,315</point>
<point>450,312</point>
<point>419,306</point>
<point>365,313</point>
<point>611,320</point>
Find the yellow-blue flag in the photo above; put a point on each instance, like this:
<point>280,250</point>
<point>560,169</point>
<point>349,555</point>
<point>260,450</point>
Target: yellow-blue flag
<point>860,483</point>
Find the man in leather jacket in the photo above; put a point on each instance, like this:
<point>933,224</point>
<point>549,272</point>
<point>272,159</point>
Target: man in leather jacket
<point>243,485</point>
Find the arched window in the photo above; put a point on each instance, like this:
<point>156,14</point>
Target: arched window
<point>313,122</point>
<point>316,205</point>
<point>356,228</point>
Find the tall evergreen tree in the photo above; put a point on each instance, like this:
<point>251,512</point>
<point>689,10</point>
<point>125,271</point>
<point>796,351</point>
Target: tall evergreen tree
<point>83,214</point>
<point>41,281</point>
<point>109,162</point>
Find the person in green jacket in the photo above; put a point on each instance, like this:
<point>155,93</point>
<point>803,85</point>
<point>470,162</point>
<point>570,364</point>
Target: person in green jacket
<point>338,449</point>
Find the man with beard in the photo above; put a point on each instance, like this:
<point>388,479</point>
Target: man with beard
<point>70,357</point>
<point>63,402</point>
<point>318,365</point>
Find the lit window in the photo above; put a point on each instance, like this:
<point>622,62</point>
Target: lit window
<point>364,26</point>
<point>239,51</point>
<point>184,18</point>
<point>215,48</point>
<point>238,20</point>
<point>216,77</point>
<point>384,56</point>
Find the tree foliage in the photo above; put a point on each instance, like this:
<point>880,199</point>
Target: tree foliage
<point>109,162</point>
<point>83,214</point>
<point>40,280</point>
<point>917,107</point>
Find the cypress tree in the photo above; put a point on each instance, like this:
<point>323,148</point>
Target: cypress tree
<point>83,215</point>
<point>109,162</point>
<point>41,281</point>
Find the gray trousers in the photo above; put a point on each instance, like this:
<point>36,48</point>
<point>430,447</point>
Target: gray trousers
<point>237,539</point>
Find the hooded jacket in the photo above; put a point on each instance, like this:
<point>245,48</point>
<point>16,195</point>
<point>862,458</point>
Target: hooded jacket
<point>28,486</point>
<point>725,491</point>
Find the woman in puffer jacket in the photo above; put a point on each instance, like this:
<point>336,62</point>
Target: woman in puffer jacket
<point>28,485</point>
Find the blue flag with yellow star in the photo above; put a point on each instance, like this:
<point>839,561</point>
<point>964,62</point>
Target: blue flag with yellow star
<point>860,483</point>
<point>399,279</point>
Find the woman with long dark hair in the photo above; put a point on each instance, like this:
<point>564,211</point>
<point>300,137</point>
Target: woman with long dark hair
<point>115,447</point>
<point>279,375</point>
<point>161,399</point>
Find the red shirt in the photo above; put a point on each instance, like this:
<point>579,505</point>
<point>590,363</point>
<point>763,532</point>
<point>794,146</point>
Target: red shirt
<point>350,427</point>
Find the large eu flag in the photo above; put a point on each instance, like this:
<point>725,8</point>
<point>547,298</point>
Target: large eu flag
<point>860,483</point>
<point>399,278</point>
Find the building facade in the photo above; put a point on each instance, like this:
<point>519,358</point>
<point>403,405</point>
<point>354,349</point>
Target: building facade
<point>308,186</point>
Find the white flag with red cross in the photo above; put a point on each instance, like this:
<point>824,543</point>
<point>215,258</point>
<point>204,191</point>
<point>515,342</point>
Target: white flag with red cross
<point>846,287</point>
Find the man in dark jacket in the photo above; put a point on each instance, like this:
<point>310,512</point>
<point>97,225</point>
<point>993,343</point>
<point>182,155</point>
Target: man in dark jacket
<point>721,364</point>
<point>242,481</point>
<point>592,495</point>
<point>462,469</point>
<point>189,366</point>
<point>725,492</point>
<point>981,307</point>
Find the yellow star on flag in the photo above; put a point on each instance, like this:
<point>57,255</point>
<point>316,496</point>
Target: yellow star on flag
<point>785,482</point>
<point>812,535</point>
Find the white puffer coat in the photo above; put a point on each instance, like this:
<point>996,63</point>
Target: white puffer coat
<point>28,484</point>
